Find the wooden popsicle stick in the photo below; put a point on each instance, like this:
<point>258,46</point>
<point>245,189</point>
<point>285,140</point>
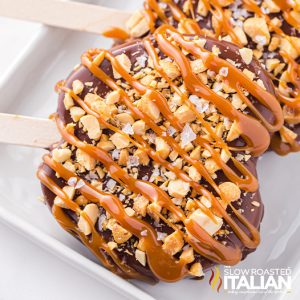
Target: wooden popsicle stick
<point>27,131</point>
<point>65,14</point>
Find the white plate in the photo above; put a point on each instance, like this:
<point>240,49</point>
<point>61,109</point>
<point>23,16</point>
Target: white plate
<point>27,88</point>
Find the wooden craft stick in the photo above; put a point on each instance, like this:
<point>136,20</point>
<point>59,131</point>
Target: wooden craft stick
<point>65,14</point>
<point>27,131</point>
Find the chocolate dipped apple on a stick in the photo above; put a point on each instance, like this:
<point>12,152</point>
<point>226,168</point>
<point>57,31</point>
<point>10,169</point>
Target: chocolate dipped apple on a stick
<point>155,172</point>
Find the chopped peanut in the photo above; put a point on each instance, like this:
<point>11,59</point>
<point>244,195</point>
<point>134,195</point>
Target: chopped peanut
<point>91,98</point>
<point>106,145</point>
<point>125,118</point>
<point>247,55</point>
<point>76,113</point>
<point>149,107</point>
<point>120,234</point>
<point>173,243</point>
<point>123,158</point>
<point>233,133</point>
<point>140,205</point>
<point>257,29</point>
<point>61,155</point>
<point>196,270</point>
<point>125,62</point>
<point>184,114</point>
<point>81,200</point>
<point>139,127</point>
<point>211,166</point>
<point>170,69</point>
<point>287,134</point>
<point>68,101</point>
<point>92,126</point>
<point>92,211</point>
<point>194,174</point>
<point>240,35</point>
<point>195,154</point>
<point>198,66</point>
<point>230,190</point>
<point>288,47</point>
<point>272,63</point>
<point>143,157</point>
<point>178,188</point>
<point>209,225</point>
<point>153,209</point>
<point>140,257</point>
<point>187,255</point>
<point>112,97</point>
<point>162,148</point>
<point>102,109</point>
<point>202,9</point>
<point>77,86</point>
<point>70,191</point>
<point>85,160</point>
<point>291,115</point>
<point>119,140</point>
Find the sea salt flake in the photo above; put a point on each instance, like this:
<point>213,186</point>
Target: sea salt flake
<point>223,71</point>
<point>111,184</point>
<point>240,157</point>
<point>146,177</point>
<point>72,181</point>
<point>122,197</point>
<point>101,221</point>
<point>155,173</point>
<point>152,137</point>
<point>133,161</point>
<point>141,61</point>
<point>116,154</point>
<point>79,184</point>
<point>177,201</point>
<point>144,232</point>
<point>227,122</point>
<point>128,129</point>
<point>260,40</point>
<point>201,104</point>
<point>92,176</point>
<point>187,135</point>
<point>218,86</point>
<point>161,236</point>
<point>171,130</point>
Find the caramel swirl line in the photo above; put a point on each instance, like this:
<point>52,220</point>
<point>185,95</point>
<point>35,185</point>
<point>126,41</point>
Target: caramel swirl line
<point>223,26</point>
<point>116,33</point>
<point>286,8</point>
<point>163,266</point>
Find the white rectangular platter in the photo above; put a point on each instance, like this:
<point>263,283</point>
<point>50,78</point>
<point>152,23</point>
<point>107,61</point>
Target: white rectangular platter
<point>28,88</point>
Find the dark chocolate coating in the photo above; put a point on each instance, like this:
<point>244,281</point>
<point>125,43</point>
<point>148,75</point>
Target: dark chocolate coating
<point>133,50</point>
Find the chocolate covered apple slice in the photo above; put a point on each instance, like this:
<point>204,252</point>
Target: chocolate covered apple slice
<point>155,172</point>
<point>270,28</point>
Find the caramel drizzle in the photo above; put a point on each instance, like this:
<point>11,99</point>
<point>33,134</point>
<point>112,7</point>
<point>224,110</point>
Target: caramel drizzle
<point>286,8</point>
<point>163,266</point>
<point>223,25</point>
<point>293,73</point>
<point>116,33</point>
<point>293,67</point>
